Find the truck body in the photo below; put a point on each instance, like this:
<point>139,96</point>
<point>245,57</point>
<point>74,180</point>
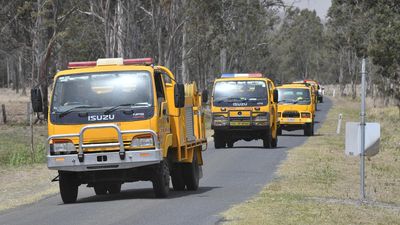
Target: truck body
<point>244,107</point>
<point>296,108</point>
<point>113,121</point>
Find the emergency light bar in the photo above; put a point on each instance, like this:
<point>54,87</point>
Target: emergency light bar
<point>231,75</point>
<point>110,62</point>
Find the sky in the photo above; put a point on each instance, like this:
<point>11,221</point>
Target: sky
<point>320,6</point>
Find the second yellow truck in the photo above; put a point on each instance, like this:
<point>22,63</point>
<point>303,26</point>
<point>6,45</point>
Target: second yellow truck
<point>244,107</point>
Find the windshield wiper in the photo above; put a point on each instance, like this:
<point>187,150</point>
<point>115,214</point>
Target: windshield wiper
<point>64,113</point>
<point>112,109</point>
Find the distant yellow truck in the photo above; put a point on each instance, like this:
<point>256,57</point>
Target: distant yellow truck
<point>244,107</point>
<point>296,108</point>
<point>118,120</point>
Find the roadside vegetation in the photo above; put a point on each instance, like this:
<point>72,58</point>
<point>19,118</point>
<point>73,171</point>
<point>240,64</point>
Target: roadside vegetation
<point>318,184</point>
<point>24,177</point>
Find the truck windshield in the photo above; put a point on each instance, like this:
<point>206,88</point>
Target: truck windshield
<point>102,90</point>
<point>299,96</point>
<point>240,93</point>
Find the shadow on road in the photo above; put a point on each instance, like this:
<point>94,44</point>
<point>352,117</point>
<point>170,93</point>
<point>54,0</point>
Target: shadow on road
<point>254,147</point>
<point>146,193</point>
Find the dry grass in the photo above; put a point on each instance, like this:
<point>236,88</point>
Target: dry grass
<point>16,106</point>
<point>318,184</point>
<point>25,185</point>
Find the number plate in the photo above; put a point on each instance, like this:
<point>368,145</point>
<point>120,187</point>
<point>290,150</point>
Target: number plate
<point>290,119</point>
<point>240,123</point>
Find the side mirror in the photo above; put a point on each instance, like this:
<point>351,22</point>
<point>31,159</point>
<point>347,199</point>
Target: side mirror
<point>204,96</point>
<point>179,95</point>
<point>36,100</point>
<point>276,96</point>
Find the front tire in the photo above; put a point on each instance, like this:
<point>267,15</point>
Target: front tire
<point>161,180</point>
<point>114,188</point>
<point>68,183</point>
<point>279,131</point>
<point>267,140</point>
<point>219,141</point>
<point>274,142</point>
<point>230,144</point>
<point>178,183</point>
<point>308,129</point>
<point>100,189</point>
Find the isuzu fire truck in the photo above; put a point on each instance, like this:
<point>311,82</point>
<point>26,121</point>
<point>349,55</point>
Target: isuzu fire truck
<point>118,120</point>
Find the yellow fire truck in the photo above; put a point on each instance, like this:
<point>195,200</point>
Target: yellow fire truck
<point>118,120</point>
<point>244,107</point>
<point>296,108</point>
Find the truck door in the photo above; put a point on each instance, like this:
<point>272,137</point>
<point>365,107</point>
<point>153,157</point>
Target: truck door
<point>162,112</point>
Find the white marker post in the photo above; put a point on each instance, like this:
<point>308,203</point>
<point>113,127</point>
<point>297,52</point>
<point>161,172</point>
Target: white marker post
<point>362,124</point>
<point>339,125</point>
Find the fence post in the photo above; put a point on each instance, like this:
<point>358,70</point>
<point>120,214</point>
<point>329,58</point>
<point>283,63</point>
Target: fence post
<point>3,109</point>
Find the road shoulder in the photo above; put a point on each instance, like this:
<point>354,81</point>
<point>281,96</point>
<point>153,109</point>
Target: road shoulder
<point>318,184</point>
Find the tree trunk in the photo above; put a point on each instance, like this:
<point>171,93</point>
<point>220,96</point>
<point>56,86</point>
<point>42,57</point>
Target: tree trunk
<point>8,72</point>
<point>120,29</point>
<point>21,74</point>
<point>341,75</point>
<point>184,51</point>
<point>223,56</point>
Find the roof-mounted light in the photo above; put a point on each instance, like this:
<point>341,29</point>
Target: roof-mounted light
<point>145,61</point>
<point>110,62</point>
<point>232,75</point>
<point>72,65</point>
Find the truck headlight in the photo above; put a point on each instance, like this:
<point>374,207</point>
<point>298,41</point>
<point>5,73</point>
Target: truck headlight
<point>261,119</point>
<point>305,115</point>
<point>62,147</point>
<point>220,120</point>
<point>142,141</point>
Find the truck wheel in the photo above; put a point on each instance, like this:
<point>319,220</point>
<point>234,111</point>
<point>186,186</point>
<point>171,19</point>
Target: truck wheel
<point>230,144</point>
<point>114,188</point>
<point>178,182</point>
<point>267,141</point>
<point>274,142</point>
<point>68,183</point>
<point>100,189</point>
<point>308,129</point>
<point>161,180</point>
<point>219,142</point>
<point>279,131</point>
<point>191,174</point>
<point>312,129</point>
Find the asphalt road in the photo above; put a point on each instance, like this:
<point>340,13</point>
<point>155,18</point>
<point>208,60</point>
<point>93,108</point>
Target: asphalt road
<point>230,176</point>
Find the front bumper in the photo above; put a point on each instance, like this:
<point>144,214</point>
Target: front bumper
<point>294,121</point>
<point>104,160</point>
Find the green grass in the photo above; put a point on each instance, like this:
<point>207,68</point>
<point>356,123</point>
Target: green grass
<point>318,184</point>
<point>15,148</point>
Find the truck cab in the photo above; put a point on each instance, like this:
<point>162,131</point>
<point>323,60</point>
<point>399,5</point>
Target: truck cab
<point>244,107</point>
<point>296,108</point>
<point>118,120</point>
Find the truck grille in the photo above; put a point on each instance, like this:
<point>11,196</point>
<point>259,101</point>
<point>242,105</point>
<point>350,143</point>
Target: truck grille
<point>291,114</point>
<point>189,124</point>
